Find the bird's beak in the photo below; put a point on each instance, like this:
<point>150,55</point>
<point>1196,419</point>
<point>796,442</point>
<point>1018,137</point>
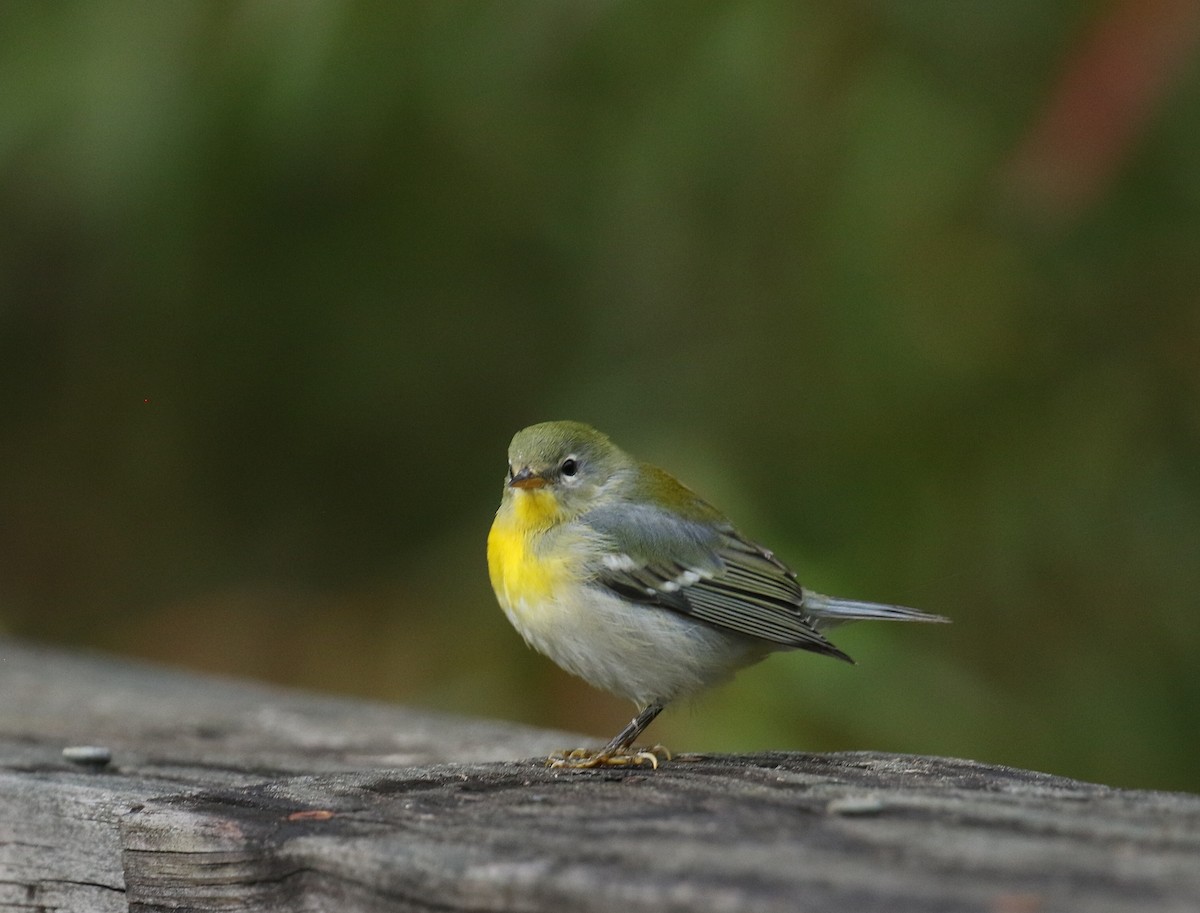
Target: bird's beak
<point>526,478</point>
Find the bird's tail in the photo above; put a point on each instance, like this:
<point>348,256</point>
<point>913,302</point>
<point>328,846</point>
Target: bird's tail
<point>832,610</point>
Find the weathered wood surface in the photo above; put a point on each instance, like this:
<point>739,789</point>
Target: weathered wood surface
<point>232,796</point>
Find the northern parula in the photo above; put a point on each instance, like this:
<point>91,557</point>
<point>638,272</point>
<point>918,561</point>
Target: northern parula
<point>627,578</point>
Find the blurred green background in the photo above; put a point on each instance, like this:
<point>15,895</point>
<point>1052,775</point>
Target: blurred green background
<point>911,290</point>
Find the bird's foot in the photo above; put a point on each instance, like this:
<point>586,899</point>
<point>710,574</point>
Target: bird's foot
<point>585,758</point>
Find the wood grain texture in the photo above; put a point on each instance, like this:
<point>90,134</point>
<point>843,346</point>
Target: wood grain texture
<point>232,796</point>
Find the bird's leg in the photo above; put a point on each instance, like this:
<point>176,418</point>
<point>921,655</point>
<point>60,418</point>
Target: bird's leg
<point>627,736</point>
<point>620,751</point>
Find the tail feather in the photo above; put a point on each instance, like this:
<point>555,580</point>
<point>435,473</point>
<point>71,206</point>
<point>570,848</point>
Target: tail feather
<point>833,609</point>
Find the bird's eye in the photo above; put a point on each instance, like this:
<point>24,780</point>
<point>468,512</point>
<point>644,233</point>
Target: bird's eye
<point>510,472</point>
<point>569,466</point>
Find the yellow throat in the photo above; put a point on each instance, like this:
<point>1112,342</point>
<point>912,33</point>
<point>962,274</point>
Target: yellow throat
<point>523,577</point>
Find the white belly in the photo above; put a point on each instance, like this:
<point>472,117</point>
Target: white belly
<point>644,653</point>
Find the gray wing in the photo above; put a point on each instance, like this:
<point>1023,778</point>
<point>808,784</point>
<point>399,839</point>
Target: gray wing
<point>707,570</point>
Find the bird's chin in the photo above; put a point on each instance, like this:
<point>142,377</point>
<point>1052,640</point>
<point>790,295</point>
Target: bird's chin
<point>537,507</point>
<point>529,483</point>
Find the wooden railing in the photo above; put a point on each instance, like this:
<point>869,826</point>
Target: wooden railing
<point>225,795</point>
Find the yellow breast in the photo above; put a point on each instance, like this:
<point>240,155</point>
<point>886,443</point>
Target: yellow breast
<point>526,571</point>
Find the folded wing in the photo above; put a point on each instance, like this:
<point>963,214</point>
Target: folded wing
<point>707,570</point>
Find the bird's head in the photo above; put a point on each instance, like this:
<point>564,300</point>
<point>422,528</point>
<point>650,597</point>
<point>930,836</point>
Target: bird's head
<point>558,468</point>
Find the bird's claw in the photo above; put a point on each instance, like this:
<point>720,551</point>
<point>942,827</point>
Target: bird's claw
<point>586,758</point>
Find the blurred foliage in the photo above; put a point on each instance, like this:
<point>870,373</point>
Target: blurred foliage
<point>279,280</point>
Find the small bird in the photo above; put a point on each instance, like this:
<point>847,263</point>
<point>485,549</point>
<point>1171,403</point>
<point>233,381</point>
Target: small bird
<point>628,579</point>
